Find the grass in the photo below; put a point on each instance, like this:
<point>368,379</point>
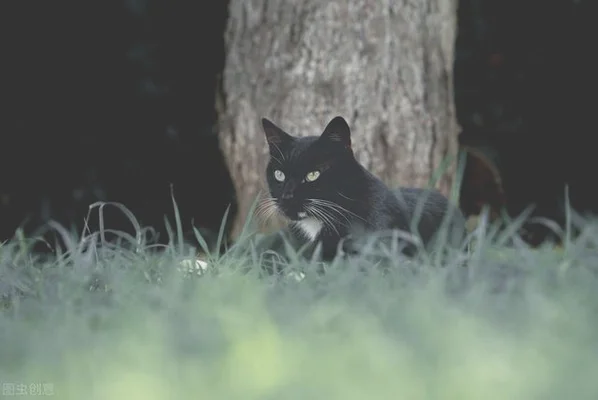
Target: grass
<point>125,321</point>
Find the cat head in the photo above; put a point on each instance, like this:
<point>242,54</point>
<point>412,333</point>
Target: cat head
<point>306,171</point>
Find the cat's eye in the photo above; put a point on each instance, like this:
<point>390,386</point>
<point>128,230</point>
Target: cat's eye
<point>312,176</point>
<point>279,175</point>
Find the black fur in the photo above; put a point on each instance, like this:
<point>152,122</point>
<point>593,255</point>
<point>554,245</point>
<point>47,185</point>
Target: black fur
<point>359,202</point>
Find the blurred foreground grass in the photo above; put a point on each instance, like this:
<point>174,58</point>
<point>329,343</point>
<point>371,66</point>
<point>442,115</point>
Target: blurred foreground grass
<point>106,322</point>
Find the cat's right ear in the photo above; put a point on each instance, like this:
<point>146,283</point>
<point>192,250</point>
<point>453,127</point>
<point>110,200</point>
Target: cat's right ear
<point>338,131</point>
<point>274,135</point>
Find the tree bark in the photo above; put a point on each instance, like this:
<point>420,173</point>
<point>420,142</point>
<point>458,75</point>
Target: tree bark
<point>386,66</point>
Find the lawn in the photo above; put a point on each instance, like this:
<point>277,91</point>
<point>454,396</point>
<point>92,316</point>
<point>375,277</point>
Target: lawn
<point>127,321</point>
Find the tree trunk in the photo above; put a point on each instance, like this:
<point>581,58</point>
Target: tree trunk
<point>386,66</point>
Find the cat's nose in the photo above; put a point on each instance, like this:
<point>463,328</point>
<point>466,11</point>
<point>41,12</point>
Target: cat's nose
<point>289,188</point>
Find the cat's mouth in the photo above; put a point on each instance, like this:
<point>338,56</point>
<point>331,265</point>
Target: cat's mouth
<point>294,212</point>
<point>298,216</point>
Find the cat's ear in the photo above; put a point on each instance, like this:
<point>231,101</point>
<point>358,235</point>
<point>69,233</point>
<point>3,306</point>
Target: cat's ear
<point>274,135</point>
<point>338,131</point>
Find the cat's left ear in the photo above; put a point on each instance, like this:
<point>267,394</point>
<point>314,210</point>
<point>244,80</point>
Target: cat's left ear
<point>338,131</point>
<point>274,135</point>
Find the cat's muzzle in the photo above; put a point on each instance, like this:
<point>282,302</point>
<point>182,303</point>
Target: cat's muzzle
<point>294,213</point>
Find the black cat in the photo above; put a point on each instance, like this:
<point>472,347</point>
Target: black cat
<point>317,183</point>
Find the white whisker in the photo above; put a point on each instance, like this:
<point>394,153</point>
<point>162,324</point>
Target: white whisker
<point>337,208</point>
<point>346,197</point>
<point>326,218</point>
<point>279,151</point>
<point>266,209</point>
<point>331,208</point>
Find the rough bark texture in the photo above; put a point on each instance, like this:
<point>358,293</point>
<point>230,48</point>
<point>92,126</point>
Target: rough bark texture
<point>386,66</point>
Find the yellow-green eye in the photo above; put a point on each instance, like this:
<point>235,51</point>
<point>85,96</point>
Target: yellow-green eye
<point>279,175</point>
<point>312,176</point>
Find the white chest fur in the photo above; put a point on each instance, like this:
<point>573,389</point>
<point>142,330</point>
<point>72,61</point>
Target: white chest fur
<point>310,227</point>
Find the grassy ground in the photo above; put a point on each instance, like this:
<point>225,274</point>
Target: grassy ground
<point>126,322</point>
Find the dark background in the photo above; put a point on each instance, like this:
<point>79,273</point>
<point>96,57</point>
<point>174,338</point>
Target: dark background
<point>114,101</point>
<point>525,88</point>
